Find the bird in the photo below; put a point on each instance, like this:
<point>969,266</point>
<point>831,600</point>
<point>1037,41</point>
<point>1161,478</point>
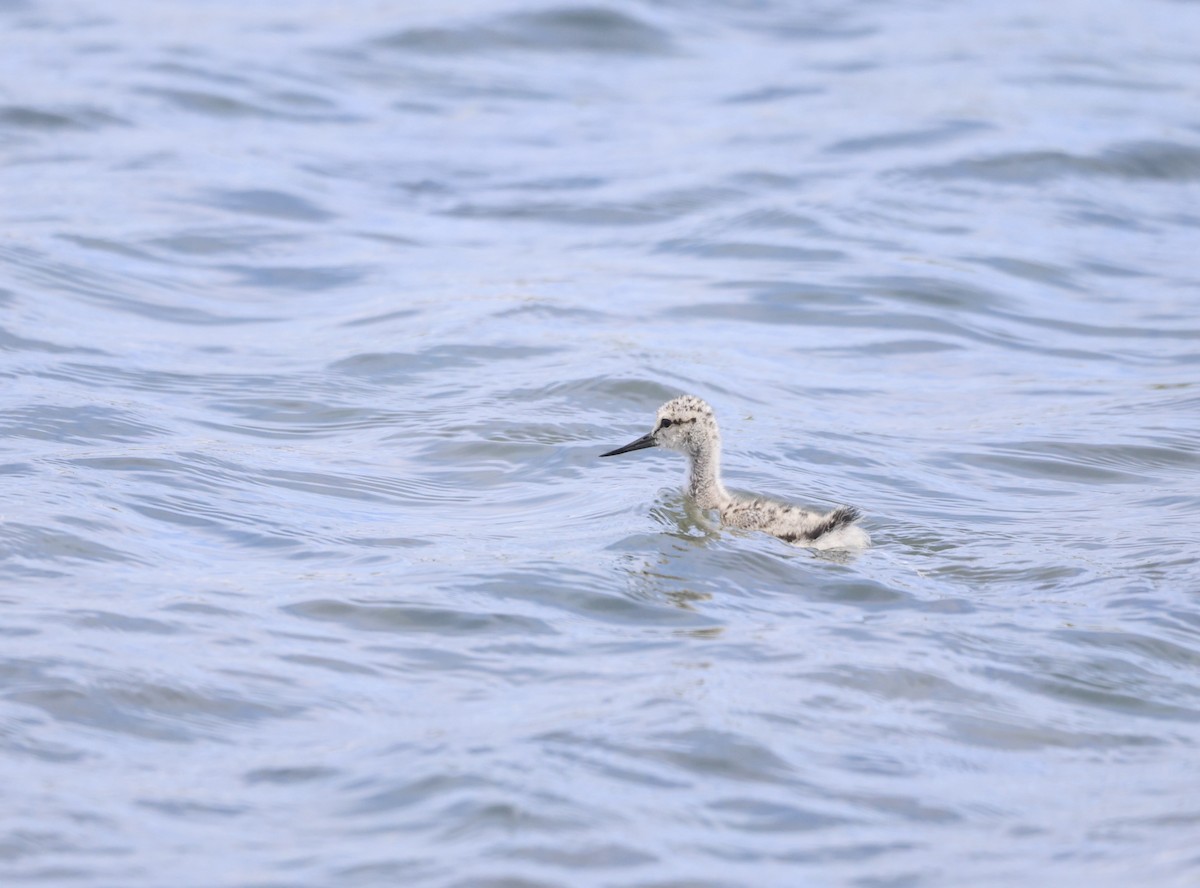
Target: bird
<point>687,424</point>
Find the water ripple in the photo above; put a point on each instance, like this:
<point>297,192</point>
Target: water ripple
<point>581,29</point>
<point>1137,161</point>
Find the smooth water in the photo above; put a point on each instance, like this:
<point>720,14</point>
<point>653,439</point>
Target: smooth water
<point>315,319</point>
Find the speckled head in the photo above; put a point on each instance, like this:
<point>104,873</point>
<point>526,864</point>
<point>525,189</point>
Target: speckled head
<point>685,424</point>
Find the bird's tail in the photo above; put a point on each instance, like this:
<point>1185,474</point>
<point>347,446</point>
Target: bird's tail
<point>839,517</point>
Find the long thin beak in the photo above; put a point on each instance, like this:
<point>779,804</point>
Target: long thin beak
<point>641,443</point>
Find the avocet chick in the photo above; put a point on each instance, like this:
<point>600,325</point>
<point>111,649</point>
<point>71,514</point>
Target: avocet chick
<point>687,424</point>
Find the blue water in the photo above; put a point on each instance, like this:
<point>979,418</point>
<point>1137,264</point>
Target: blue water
<point>316,317</point>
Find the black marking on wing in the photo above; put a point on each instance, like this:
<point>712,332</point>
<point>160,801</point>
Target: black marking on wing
<point>839,517</point>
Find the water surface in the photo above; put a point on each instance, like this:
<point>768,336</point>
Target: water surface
<point>315,318</point>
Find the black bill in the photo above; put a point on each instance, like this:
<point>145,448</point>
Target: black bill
<point>640,444</point>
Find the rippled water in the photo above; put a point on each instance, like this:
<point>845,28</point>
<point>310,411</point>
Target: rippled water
<point>316,317</point>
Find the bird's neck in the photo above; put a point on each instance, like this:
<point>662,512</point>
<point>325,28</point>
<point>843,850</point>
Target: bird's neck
<point>704,484</point>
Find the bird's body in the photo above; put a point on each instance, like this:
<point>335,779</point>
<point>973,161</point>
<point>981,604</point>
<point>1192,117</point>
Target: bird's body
<point>687,424</point>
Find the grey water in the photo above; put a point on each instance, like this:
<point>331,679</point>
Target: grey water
<point>315,317</point>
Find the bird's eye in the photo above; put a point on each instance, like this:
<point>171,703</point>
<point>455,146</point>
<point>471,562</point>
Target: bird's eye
<point>665,424</point>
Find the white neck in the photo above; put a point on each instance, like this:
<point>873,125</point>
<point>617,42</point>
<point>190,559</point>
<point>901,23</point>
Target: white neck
<point>704,483</point>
